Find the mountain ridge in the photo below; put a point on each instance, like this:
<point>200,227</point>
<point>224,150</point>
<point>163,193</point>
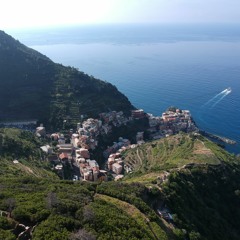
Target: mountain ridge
<point>34,87</point>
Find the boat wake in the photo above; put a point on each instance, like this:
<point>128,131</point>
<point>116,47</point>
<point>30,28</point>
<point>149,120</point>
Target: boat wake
<point>217,98</point>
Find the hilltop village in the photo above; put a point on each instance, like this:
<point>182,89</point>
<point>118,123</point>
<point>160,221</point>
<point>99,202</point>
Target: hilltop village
<point>71,154</point>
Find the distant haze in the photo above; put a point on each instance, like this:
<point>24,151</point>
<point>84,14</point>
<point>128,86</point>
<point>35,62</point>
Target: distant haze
<point>27,13</point>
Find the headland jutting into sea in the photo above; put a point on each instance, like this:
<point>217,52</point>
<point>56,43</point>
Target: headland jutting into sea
<point>79,147</point>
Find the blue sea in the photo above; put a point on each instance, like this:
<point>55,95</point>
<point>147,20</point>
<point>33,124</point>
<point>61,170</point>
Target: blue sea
<point>195,67</point>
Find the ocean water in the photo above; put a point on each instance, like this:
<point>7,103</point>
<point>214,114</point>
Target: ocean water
<point>157,66</point>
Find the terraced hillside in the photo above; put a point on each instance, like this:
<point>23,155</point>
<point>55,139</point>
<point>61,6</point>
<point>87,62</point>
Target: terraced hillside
<point>76,94</point>
<point>192,180</point>
<point>35,204</point>
<point>202,198</point>
<point>34,87</point>
<point>183,187</point>
<point>174,152</point>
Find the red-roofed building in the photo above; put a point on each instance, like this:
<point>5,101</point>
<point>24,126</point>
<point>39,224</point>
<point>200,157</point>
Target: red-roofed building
<point>63,156</point>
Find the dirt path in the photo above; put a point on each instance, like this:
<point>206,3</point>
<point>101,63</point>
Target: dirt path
<point>27,169</point>
<point>139,157</point>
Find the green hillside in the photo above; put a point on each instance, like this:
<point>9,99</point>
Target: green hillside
<point>202,198</point>
<point>64,210</point>
<point>196,180</point>
<point>174,152</point>
<point>205,200</point>
<point>32,195</point>
<point>183,187</point>
<point>33,87</point>
<point>23,147</point>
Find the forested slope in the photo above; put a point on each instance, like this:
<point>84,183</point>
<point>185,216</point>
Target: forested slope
<point>34,87</point>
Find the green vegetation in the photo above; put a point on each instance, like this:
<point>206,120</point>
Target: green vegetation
<point>205,201</point>
<point>32,195</point>
<point>53,209</point>
<point>138,216</point>
<point>33,87</point>
<point>22,146</point>
<point>59,209</point>
<point>189,175</point>
<point>174,152</point>
<point>50,206</point>
<point>196,179</point>
<point>128,131</point>
<point>202,197</point>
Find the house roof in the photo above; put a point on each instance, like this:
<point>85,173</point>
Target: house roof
<point>117,165</point>
<point>63,155</point>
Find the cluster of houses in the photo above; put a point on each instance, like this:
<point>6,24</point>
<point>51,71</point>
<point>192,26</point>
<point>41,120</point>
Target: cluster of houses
<point>115,163</point>
<point>89,169</point>
<point>89,130</point>
<point>171,122</point>
<point>113,153</point>
<point>117,119</point>
<point>86,138</point>
<point>118,146</point>
<point>67,153</point>
<point>87,134</point>
<point>138,114</point>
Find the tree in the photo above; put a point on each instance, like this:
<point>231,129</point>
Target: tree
<point>194,235</point>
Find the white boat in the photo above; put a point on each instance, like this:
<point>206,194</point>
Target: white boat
<point>229,90</point>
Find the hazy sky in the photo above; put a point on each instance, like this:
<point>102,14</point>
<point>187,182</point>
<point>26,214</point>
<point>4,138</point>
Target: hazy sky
<point>40,13</point>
